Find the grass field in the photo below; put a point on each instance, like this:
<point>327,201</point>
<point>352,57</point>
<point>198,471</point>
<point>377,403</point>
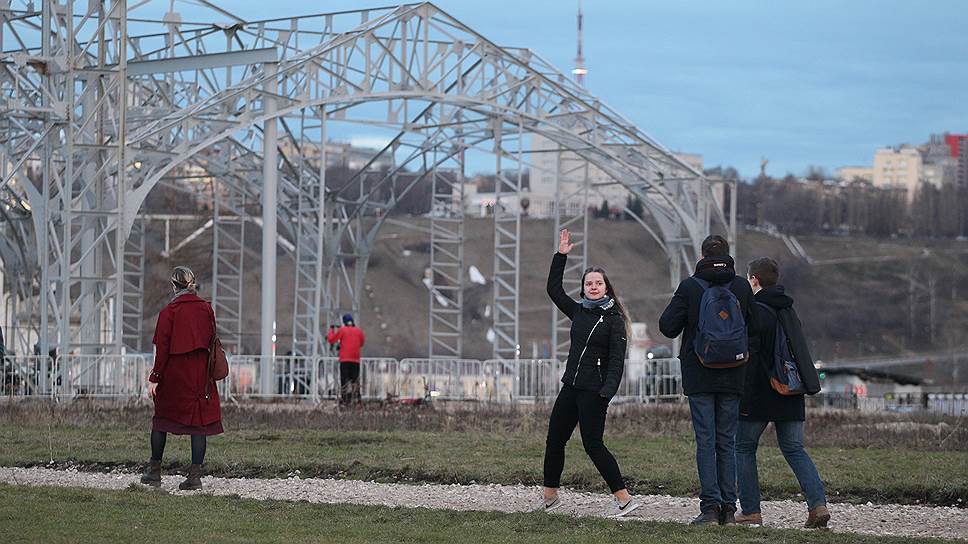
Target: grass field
<point>71,515</point>
<point>508,450</point>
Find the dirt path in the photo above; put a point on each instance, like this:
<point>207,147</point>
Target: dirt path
<point>885,520</point>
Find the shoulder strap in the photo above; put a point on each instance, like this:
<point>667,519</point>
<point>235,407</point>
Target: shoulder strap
<point>702,283</point>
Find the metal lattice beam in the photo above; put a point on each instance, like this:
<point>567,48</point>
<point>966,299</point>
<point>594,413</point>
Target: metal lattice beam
<point>105,116</point>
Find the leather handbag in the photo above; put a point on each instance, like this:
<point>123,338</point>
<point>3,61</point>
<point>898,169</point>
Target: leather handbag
<point>218,363</point>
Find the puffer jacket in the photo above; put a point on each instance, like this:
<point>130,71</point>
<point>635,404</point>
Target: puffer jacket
<point>596,359</point>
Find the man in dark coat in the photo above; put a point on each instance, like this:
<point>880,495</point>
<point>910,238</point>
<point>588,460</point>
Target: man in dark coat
<point>761,404</point>
<point>714,393</point>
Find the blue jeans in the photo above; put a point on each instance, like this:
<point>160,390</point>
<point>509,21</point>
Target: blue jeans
<point>714,418</point>
<point>789,435</point>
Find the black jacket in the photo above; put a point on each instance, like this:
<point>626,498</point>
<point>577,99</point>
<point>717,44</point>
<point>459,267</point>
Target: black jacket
<point>681,316</point>
<point>3,349</point>
<point>760,402</point>
<point>596,359</point>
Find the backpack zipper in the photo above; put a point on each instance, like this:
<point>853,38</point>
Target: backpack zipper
<point>600,319</point>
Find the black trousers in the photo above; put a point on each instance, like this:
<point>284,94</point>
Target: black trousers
<point>349,381</point>
<point>587,410</point>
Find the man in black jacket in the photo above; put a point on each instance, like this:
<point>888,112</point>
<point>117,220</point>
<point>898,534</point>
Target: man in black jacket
<point>714,393</point>
<point>761,404</point>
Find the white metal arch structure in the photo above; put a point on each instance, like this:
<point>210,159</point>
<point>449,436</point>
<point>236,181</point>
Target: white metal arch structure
<point>273,87</point>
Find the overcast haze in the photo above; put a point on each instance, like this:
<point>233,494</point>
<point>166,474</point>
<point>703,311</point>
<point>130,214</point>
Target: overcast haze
<point>821,82</point>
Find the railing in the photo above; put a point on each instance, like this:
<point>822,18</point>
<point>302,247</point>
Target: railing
<point>952,404</point>
<point>407,380</point>
<point>102,376</point>
<point>27,376</point>
<point>525,380</point>
<point>70,376</point>
<point>318,379</point>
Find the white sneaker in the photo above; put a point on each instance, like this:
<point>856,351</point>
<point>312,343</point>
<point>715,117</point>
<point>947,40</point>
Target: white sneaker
<point>545,506</point>
<point>618,509</point>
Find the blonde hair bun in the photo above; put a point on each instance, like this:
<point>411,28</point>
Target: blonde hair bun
<point>183,278</point>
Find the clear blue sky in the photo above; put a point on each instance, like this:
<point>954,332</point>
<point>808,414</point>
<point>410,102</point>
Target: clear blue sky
<point>820,82</point>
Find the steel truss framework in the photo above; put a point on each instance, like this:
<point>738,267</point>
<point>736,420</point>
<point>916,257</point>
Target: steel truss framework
<point>100,104</point>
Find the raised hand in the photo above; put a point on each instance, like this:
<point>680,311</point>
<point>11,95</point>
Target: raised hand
<point>564,242</point>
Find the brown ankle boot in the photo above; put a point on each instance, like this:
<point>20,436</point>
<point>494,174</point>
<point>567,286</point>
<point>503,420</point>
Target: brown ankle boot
<point>152,474</point>
<point>194,480</point>
<point>749,519</point>
<point>817,517</point>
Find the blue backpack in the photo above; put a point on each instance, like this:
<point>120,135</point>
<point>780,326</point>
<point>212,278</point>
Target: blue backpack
<point>784,372</point>
<point>721,340</point>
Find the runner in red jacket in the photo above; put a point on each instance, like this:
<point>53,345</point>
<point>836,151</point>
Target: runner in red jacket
<point>351,340</point>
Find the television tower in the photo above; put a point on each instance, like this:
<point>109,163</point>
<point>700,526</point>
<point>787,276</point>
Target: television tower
<point>579,71</point>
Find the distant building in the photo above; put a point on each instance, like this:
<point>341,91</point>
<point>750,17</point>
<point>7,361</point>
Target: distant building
<point>342,155</point>
<point>851,173</point>
<point>962,169</point>
<point>956,142</point>
<point>481,204</point>
<point>898,168</point>
<point>548,166</point>
<point>940,160</point>
<point>937,150</point>
<point>639,342</point>
<point>935,174</point>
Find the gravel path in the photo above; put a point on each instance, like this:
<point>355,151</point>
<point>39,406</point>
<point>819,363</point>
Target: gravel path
<point>894,520</point>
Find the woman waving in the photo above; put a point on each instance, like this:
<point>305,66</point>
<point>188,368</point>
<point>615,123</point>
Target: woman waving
<point>592,375</point>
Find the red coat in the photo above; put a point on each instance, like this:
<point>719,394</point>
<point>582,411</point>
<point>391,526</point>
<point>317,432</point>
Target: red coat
<point>351,339</point>
<point>182,338</point>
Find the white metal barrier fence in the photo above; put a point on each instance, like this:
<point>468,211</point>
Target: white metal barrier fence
<point>306,378</point>
<point>69,376</point>
<point>27,376</point>
<point>524,380</point>
<point>102,376</point>
<point>951,404</point>
<point>417,380</point>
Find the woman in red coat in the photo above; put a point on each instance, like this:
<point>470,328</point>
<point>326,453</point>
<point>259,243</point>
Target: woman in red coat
<point>186,398</point>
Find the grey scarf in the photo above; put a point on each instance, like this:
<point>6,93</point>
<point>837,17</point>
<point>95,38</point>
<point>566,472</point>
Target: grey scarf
<point>604,303</point>
<point>179,293</point>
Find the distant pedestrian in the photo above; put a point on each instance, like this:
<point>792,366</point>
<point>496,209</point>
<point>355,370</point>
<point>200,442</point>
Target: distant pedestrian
<point>185,396</point>
<point>351,340</point>
<point>762,404</point>
<point>715,300</point>
<point>596,362</point>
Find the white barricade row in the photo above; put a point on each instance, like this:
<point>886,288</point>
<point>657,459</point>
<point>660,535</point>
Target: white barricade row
<point>24,376</point>
<point>317,379</point>
<point>100,376</point>
<point>292,377</point>
<point>388,379</point>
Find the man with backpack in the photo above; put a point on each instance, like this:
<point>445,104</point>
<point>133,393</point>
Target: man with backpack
<point>711,310</point>
<point>779,374</point>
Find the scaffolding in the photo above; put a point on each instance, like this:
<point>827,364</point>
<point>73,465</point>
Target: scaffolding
<point>104,100</point>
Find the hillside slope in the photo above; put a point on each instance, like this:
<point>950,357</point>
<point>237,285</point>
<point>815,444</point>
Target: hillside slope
<point>862,296</point>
